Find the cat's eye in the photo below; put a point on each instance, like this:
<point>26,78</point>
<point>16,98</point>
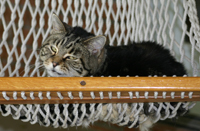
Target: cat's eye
<point>70,58</point>
<point>54,49</point>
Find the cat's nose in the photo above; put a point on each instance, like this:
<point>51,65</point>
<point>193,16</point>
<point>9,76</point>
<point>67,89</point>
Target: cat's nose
<point>55,64</point>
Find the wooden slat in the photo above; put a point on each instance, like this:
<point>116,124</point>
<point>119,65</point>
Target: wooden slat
<point>124,85</point>
<point>100,84</point>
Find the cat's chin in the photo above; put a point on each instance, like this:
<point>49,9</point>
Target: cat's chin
<point>53,73</point>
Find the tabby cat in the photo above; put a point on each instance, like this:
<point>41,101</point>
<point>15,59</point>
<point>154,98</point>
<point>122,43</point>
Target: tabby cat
<point>74,52</point>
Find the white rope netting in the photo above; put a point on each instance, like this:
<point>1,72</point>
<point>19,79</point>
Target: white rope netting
<point>69,115</point>
<point>25,24</point>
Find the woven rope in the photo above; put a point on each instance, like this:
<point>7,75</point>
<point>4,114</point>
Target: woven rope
<point>122,114</point>
<point>24,25</point>
<point>135,20</point>
<point>101,94</point>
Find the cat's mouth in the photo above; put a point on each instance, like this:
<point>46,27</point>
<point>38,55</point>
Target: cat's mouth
<point>54,71</point>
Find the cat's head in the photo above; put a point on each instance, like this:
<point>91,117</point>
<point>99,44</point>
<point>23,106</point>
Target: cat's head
<point>72,51</point>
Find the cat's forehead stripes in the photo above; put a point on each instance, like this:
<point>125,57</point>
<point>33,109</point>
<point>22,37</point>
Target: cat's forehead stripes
<point>71,51</point>
<point>69,45</point>
<point>54,40</point>
<point>46,44</point>
<point>67,40</point>
<point>72,40</point>
<point>60,42</point>
<point>57,42</point>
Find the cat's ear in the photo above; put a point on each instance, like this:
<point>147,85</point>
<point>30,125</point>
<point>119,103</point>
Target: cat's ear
<point>95,44</point>
<point>58,25</point>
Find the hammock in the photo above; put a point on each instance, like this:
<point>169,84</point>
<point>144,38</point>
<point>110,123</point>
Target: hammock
<point>27,94</point>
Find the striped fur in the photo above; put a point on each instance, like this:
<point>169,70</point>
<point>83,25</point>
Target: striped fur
<point>72,52</point>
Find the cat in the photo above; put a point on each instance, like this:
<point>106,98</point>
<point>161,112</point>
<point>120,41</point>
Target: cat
<point>74,52</point>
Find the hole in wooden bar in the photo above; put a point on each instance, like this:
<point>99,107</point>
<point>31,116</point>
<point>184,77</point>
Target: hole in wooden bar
<point>83,83</point>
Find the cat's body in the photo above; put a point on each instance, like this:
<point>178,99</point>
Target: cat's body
<point>72,51</point>
<point>141,59</point>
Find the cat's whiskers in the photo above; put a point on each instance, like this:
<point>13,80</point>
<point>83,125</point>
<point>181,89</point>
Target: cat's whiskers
<point>41,66</point>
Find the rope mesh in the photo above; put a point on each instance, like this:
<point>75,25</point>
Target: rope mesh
<point>25,24</point>
<point>68,115</point>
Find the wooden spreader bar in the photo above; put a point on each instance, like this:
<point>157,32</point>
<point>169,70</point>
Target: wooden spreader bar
<point>41,90</point>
